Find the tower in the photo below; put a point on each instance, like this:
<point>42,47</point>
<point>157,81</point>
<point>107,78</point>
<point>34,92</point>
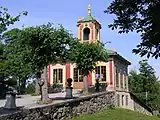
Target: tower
<point>89,28</point>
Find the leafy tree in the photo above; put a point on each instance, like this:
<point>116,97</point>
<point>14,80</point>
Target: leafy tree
<point>5,20</point>
<point>45,45</point>
<point>13,53</point>
<point>145,85</point>
<point>86,56</point>
<point>141,16</point>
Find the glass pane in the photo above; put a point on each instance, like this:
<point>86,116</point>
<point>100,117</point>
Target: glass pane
<point>60,76</point>
<point>97,70</point>
<point>55,76</point>
<point>80,78</point>
<point>103,72</point>
<point>117,78</point>
<point>75,74</point>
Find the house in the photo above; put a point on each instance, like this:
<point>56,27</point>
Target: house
<point>114,72</point>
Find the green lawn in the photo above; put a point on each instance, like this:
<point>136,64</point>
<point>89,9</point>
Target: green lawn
<point>117,114</point>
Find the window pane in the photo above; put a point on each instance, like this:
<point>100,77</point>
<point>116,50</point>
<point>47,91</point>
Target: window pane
<point>125,81</point>
<point>103,72</point>
<point>121,80</point>
<point>97,70</point>
<point>55,76</point>
<point>117,78</point>
<point>75,74</point>
<point>80,78</point>
<point>60,76</point>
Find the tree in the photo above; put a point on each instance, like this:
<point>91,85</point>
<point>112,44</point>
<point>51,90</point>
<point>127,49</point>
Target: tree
<point>145,85</point>
<point>86,56</point>
<point>13,53</point>
<point>5,20</point>
<point>45,45</point>
<point>141,16</point>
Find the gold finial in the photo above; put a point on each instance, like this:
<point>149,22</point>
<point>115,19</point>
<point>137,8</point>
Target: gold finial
<point>89,10</point>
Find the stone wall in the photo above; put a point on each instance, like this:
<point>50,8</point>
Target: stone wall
<point>132,102</point>
<point>140,106</point>
<point>66,110</point>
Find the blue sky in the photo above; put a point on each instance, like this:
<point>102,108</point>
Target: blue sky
<point>67,13</point>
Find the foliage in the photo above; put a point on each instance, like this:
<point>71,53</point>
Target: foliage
<point>145,85</point>
<point>30,88</point>
<point>5,20</point>
<point>46,44</point>
<point>13,53</point>
<point>116,114</point>
<point>87,55</point>
<point>141,16</point>
<point>43,45</point>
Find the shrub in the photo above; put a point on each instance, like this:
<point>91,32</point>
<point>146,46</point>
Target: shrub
<point>55,88</point>
<point>30,88</point>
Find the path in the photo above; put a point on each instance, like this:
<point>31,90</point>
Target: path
<point>29,101</point>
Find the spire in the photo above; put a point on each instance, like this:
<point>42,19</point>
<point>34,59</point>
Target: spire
<point>89,10</point>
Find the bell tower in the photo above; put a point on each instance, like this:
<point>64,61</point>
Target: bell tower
<point>89,28</point>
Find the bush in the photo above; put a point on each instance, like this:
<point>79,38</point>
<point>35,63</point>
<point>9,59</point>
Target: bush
<point>55,88</point>
<point>30,88</point>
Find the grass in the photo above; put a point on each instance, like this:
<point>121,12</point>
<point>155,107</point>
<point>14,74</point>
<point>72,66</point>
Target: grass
<point>117,114</point>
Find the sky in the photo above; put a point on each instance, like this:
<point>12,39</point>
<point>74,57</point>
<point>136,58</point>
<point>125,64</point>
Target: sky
<point>67,13</point>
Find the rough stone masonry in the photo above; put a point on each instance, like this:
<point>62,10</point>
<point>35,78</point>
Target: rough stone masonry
<point>65,110</point>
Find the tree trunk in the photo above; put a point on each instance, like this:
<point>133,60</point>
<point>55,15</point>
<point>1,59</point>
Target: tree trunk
<point>85,83</point>
<point>45,97</point>
<point>37,88</point>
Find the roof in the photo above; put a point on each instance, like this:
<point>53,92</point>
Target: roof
<point>87,19</point>
<point>115,54</point>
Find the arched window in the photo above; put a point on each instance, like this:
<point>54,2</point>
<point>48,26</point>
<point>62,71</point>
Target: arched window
<point>86,33</point>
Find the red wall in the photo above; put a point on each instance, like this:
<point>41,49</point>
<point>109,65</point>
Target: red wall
<point>68,69</point>
<point>90,79</point>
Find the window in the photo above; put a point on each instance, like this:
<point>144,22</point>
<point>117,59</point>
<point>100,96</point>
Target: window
<point>77,75</point>
<point>125,81</point>
<point>101,70</point>
<point>97,34</point>
<point>121,79</point>
<point>117,78</point>
<point>58,75</point>
<point>122,100</point>
<point>86,33</point>
<point>126,100</point>
<point>118,100</point>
